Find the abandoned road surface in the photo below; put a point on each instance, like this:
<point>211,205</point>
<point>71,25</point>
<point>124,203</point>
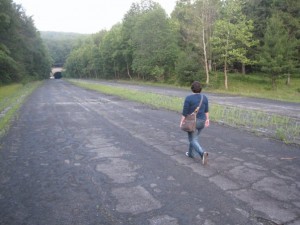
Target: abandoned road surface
<point>77,157</point>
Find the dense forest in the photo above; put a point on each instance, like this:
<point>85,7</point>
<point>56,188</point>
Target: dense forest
<point>23,55</point>
<point>199,38</point>
<point>60,44</point>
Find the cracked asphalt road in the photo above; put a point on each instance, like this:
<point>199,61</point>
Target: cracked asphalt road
<point>75,156</point>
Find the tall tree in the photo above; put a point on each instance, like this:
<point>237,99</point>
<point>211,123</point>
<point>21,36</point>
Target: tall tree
<point>278,53</point>
<point>232,36</point>
<point>155,45</point>
<point>261,10</point>
<point>129,21</point>
<point>258,11</point>
<point>196,19</point>
<point>23,54</point>
<point>204,15</point>
<point>111,51</point>
<point>187,66</point>
<point>289,13</point>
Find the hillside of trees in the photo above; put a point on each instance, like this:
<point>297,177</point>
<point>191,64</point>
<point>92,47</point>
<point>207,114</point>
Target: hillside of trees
<point>23,55</point>
<point>60,44</point>
<point>199,38</point>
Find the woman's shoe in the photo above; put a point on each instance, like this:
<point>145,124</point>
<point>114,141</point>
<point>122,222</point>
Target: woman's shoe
<point>204,158</point>
<point>187,154</point>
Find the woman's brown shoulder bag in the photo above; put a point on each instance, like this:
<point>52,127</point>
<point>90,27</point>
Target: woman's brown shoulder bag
<point>189,124</point>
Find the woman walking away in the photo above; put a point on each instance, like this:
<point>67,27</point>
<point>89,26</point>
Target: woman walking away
<point>191,102</point>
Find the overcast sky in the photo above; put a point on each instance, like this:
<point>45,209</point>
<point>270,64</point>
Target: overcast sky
<point>83,16</point>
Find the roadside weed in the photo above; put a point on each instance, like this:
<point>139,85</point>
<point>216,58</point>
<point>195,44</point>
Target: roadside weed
<point>11,98</point>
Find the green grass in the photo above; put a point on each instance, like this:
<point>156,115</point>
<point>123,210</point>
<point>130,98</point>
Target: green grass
<point>6,91</point>
<point>11,98</point>
<point>279,127</point>
<point>257,85</point>
<point>152,99</point>
<point>254,85</point>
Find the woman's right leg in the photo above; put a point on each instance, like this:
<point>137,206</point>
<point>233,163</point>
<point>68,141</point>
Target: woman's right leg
<point>194,144</point>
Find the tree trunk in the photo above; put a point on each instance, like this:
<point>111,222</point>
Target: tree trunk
<point>225,62</point>
<point>115,70</point>
<point>214,67</point>
<point>225,75</point>
<point>209,66</point>
<point>128,72</point>
<point>274,82</point>
<point>243,69</point>
<point>288,81</point>
<point>205,56</point>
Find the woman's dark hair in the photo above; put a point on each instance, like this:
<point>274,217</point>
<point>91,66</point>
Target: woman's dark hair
<point>196,87</point>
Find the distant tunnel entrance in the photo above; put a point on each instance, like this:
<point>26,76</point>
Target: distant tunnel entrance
<point>56,72</point>
<point>57,75</point>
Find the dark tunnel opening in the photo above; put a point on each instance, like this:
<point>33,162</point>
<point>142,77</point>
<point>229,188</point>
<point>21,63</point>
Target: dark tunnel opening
<point>57,75</point>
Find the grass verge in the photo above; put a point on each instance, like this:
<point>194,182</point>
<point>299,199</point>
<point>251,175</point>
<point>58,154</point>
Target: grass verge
<point>256,85</point>
<point>279,127</point>
<point>282,128</point>
<point>11,98</point>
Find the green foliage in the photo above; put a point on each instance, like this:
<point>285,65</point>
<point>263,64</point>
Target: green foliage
<point>195,21</point>
<point>201,38</point>
<point>84,61</point>
<point>22,52</point>
<point>60,44</point>
<point>11,98</point>
<point>278,53</point>
<point>143,46</point>
<point>187,68</point>
<point>232,36</point>
<point>260,11</point>
<point>8,66</point>
<point>155,46</point>
<point>111,52</point>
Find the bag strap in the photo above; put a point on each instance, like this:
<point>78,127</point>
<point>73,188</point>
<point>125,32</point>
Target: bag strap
<point>197,109</point>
